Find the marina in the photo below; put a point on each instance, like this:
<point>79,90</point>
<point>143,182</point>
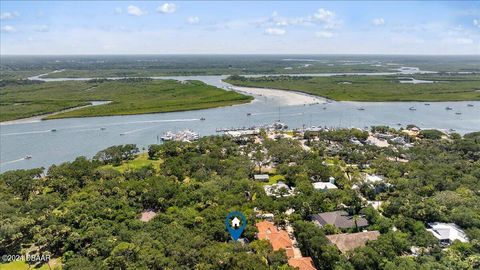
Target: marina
<point>86,136</point>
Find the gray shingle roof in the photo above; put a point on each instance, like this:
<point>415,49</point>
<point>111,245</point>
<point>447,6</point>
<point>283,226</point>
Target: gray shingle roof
<point>339,219</point>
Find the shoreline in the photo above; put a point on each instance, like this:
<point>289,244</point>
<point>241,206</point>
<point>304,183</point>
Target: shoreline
<point>41,117</point>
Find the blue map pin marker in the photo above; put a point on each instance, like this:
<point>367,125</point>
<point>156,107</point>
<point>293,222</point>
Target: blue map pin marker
<point>236,223</point>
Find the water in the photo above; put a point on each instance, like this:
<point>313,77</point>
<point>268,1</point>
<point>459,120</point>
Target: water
<point>86,136</point>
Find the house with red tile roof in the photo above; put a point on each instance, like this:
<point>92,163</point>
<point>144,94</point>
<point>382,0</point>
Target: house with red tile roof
<point>302,263</point>
<point>280,239</point>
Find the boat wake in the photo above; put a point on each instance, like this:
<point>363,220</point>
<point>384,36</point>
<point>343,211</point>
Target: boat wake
<point>12,161</point>
<point>26,132</point>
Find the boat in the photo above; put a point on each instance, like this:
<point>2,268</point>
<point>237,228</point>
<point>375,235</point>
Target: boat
<point>28,157</point>
<point>412,109</point>
<point>427,104</point>
<point>458,113</point>
<point>202,119</point>
<point>361,109</point>
<point>324,108</point>
<point>102,128</point>
<point>448,108</point>
<point>248,114</point>
<point>470,105</point>
<point>181,136</point>
<point>53,130</point>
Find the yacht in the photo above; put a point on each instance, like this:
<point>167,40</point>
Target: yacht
<point>28,157</point>
<point>448,108</point>
<point>412,109</point>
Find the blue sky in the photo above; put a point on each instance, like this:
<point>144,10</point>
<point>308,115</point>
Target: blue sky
<point>311,27</point>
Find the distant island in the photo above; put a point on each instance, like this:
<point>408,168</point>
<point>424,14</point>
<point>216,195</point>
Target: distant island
<point>24,98</point>
<point>418,87</point>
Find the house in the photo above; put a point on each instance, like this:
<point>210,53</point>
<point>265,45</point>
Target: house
<point>339,219</point>
<point>324,186</point>
<point>376,182</point>
<point>279,189</point>
<point>261,177</point>
<point>351,241</point>
<point>266,216</point>
<point>372,178</point>
<point>279,239</point>
<point>302,263</point>
<point>447,232</point>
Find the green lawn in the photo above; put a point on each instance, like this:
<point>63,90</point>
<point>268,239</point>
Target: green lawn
<point>127,96</point>
<point>139,162</point>
<point>372,88</point>
<point>21,265</point>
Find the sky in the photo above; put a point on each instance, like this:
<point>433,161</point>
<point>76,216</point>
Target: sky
<point>242,27</point>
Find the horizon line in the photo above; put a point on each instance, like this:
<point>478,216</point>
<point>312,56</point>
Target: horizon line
<point>241,54</point>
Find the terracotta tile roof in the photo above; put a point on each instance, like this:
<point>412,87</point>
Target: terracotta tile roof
<point>279,239</point>
<point>303,263</point>
<point>350,241</point>
<point>265,228</point>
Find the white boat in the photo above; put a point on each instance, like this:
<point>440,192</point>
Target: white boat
<point>28,157</point>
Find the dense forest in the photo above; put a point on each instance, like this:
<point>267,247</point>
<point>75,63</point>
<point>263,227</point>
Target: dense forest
<point>87,212</point>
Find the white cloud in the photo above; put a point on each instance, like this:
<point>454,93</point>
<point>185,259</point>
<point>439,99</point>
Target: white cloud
<point>327,17</point>
<point>378,21</point>
<point>476,22</point>
<point>8,29</point>
<point>135,11</point>
<point>193,20</point>
<point>9,15</point>
<point>275,31</point>
<point>167,8</point>
<point>324,34</point>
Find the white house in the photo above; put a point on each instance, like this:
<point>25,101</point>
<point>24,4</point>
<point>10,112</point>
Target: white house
<point>372,178</point>
<point>279,189</point>
<point>324,186</point>
<point>447,232</point>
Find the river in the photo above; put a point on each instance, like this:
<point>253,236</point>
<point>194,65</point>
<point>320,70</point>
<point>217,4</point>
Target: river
<point>86,136</point>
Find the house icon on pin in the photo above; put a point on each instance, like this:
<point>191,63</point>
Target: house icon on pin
<point>235,222</point>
